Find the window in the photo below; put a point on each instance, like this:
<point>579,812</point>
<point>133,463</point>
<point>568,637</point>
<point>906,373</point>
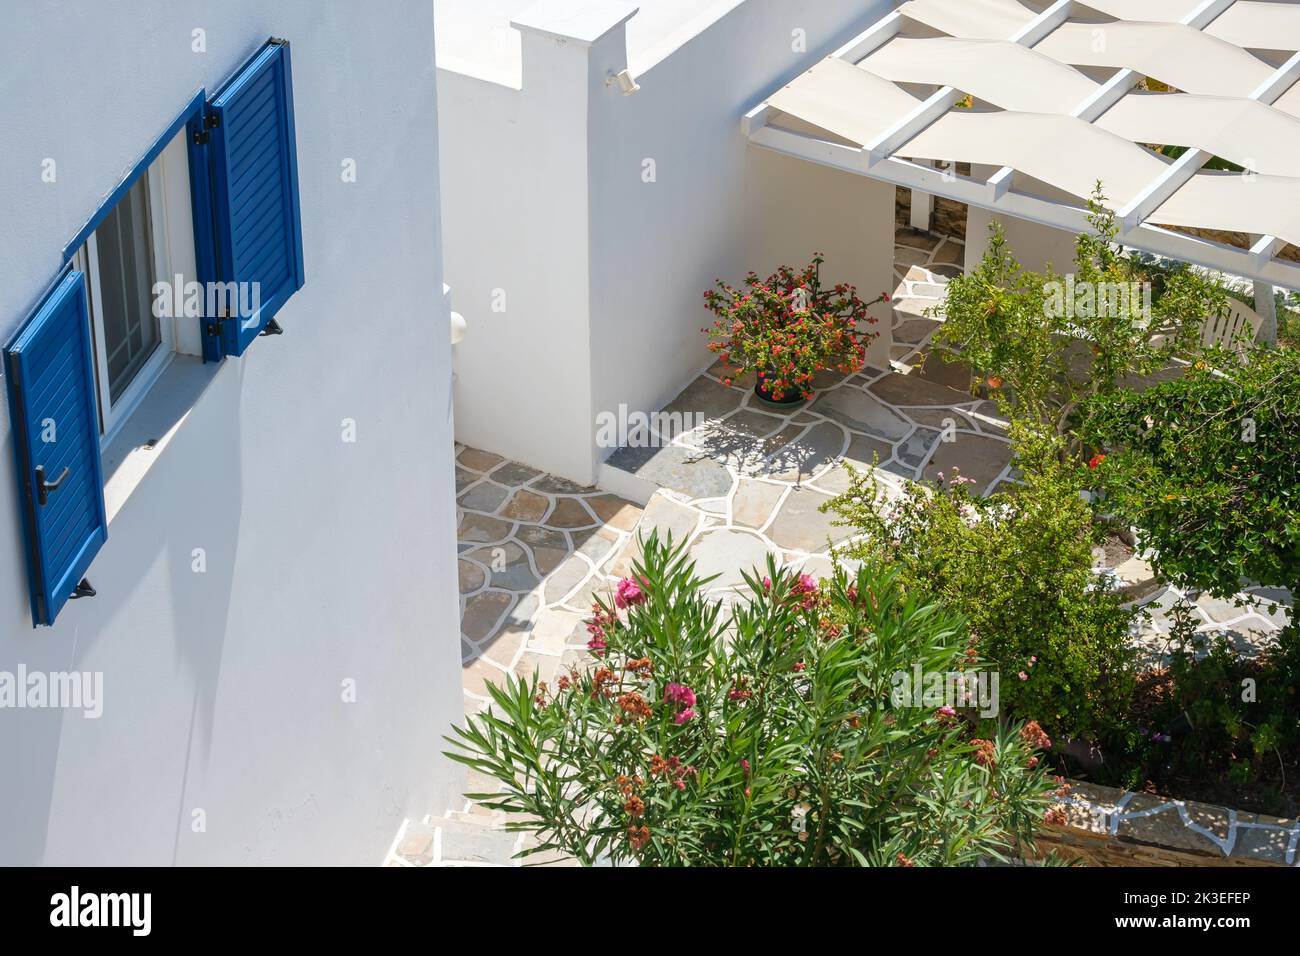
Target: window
<point>212,204</point>
<point>123,259</point>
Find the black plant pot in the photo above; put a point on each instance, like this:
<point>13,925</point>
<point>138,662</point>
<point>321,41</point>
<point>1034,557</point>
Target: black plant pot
<point>789,400</point>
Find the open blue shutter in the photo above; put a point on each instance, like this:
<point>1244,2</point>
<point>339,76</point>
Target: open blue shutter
<point>53,406</point>
<point>254,166</point>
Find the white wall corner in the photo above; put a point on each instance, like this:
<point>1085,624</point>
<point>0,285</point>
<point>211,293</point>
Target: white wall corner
<point>554,30</point>
<point>576,22</point>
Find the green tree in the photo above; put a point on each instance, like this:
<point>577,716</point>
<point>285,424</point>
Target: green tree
<point>1047,343</point>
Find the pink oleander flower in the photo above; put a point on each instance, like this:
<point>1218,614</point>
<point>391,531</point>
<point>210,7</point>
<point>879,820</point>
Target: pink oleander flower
<point>1023,676</point>
<point>947,711</point>
<point>684,716</point>
<point>806,587</point>
<point>628,593</point>
<point>679,694</point>
<point>597,645</point>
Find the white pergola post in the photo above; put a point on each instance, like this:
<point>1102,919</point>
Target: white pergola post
<point>922,213</point>
<point>1265,305</point>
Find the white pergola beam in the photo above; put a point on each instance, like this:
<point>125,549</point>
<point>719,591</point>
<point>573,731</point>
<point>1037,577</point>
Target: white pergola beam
<point>878,159</point>
<point>1151,198</point>
<point>1181,171</point>
<point>1265,248</point>
<point>756,119</point>
<point>1283,78</point>
<point>1043,24</point>
<point>946,97</point>
<point>871,39</point>
<point>1115,89</point>
<point>1046,212</point>
<point>892,139</point>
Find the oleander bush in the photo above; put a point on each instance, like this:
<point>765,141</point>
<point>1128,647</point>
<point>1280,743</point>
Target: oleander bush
<point>769,734</point>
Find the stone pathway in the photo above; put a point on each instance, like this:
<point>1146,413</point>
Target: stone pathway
<point>533,550</point>
<point>749,481</point>
<point>1249,621</point>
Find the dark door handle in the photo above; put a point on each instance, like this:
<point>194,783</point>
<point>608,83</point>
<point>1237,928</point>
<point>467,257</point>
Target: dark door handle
<point>43,487</point>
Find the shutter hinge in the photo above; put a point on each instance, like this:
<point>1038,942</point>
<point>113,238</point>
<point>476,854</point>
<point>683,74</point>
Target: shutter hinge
<point>210,121</point>
<point>214,326</point>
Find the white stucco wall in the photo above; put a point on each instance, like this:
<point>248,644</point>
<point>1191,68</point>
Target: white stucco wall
<point>1034,245</point>
<point>630,259</point>
<point>326,561</point>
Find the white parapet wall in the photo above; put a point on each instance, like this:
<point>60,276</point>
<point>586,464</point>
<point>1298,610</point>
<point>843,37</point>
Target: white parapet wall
<point>276,619</point>
<point>583,224</point>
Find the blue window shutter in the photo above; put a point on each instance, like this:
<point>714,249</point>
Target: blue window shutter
<point>52,403</point>
<point>254,163</point>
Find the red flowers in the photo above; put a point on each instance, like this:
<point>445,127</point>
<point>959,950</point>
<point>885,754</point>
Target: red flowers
<point>789,328</point>
<point>601,625</point>
<point>740,691</point>
<point>1095,461</point>
<point>806,590</point>
<point>672,770</point>
<point>679,694</point>
<point>633,707</point>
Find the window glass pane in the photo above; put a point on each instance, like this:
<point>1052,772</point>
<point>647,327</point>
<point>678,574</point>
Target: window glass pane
<point>126,279</point>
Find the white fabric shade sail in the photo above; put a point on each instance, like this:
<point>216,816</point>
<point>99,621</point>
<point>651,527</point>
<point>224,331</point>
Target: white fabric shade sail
<point>1017,140</point>
<point>1257,204</point>
<point>1006,74</point>
<point>1172,53</point>
<point>1155,11</point>
<point>1260,26</point>
<point>1250,134</point>
<point>1051,93</point>
<point>972,19</point>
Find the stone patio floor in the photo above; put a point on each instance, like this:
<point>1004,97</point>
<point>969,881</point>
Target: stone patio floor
<point>749,481</point>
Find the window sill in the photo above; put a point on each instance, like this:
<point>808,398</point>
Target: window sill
<point>151,426</point>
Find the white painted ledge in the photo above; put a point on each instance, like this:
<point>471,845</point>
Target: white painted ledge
<point>582,22</point>
<point>145,435</point>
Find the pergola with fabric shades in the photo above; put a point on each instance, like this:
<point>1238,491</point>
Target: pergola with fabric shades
<point>1055,97</point>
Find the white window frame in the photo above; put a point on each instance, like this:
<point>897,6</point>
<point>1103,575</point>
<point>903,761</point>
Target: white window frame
<point>112,414</point>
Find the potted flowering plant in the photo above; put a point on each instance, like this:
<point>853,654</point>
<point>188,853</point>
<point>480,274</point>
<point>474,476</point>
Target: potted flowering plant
<point>787,328</point>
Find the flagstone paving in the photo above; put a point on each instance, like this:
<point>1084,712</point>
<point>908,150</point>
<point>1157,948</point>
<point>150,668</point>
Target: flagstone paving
<point>534,549</point>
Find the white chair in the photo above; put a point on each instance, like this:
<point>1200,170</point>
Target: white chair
<point>1236,329</point>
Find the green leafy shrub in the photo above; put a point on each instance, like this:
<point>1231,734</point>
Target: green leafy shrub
<point>1213,721</point>
<point>1017,565</point>
<point>768,736</point>
<point>1205,466</point>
